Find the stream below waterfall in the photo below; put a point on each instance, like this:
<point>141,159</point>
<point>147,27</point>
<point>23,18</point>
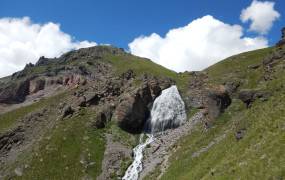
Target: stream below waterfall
<point>136,167</point>
<point>168,111</point>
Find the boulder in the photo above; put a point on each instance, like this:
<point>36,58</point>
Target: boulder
<point>66,111</point>
<point>132,113</point>
<point>92,98</point>
<point>217,101</point>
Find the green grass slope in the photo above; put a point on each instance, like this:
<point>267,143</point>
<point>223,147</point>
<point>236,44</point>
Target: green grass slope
<point>216,153</point>
<point>74,149</point>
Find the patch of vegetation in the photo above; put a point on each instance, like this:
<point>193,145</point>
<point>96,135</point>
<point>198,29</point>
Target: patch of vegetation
<point>7,120</point>
<point>126,162</point>
<point>73,150</point>
<point>259,154</point>
<point>191,112</point>
<point>237,68</point>
<point>153,175</point>
<point>122,136</point>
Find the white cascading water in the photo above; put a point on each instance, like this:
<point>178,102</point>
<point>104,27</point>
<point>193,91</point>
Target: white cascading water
<point>136,167</point>
<point>168,111</point>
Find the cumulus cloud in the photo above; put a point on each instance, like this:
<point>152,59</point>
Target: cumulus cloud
<point>22,41</point>
<point>196,46</point>
<point>261,14</point>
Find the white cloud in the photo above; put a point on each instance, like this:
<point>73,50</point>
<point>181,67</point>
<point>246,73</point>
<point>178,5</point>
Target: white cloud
<point>22,41</point>
<point>196,46</point>
<point>261,14</point>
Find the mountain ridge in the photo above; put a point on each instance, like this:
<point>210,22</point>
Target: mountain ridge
<point>79,116</point>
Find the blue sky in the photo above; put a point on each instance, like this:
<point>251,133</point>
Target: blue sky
<point>120,22</point>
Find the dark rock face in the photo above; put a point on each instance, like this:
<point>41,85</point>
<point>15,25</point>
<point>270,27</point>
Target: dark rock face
<point>104,116</point>
<point>217,102</point>
<point>248,96</point>
<point>132,112</point>
<point>134,108</point>
<point>36,85</point>
<point>155,89</point>
<point>15,92</point>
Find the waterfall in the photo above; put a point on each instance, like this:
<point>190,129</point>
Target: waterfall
<point>168,111</point>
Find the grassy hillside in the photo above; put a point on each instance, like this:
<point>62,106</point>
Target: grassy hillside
<point>216,153</point>
<point>73,149</point>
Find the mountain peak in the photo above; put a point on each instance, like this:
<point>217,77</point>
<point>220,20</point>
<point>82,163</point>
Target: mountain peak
<point>90,52</point>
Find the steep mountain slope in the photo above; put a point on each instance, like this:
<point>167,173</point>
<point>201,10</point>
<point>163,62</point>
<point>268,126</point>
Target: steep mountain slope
<point>56,115</point>
<point>79,116</point>
<point>247,141</point>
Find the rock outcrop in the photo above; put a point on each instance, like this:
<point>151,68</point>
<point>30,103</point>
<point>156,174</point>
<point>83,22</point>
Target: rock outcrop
<point>133,111</point>
<point>282,41</point>
<point>195,96</point>
<point>66,111</point>
<point>36,85</point>
<point>15,92</point>
<point>248,96</point>
<point>104,115</point>
<point>10,139</point>
<point>134,107</point>
<point>217,101</point>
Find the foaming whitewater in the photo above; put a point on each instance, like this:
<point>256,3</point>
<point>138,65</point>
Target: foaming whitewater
<point>136,167</point>
<point>168,111</point>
